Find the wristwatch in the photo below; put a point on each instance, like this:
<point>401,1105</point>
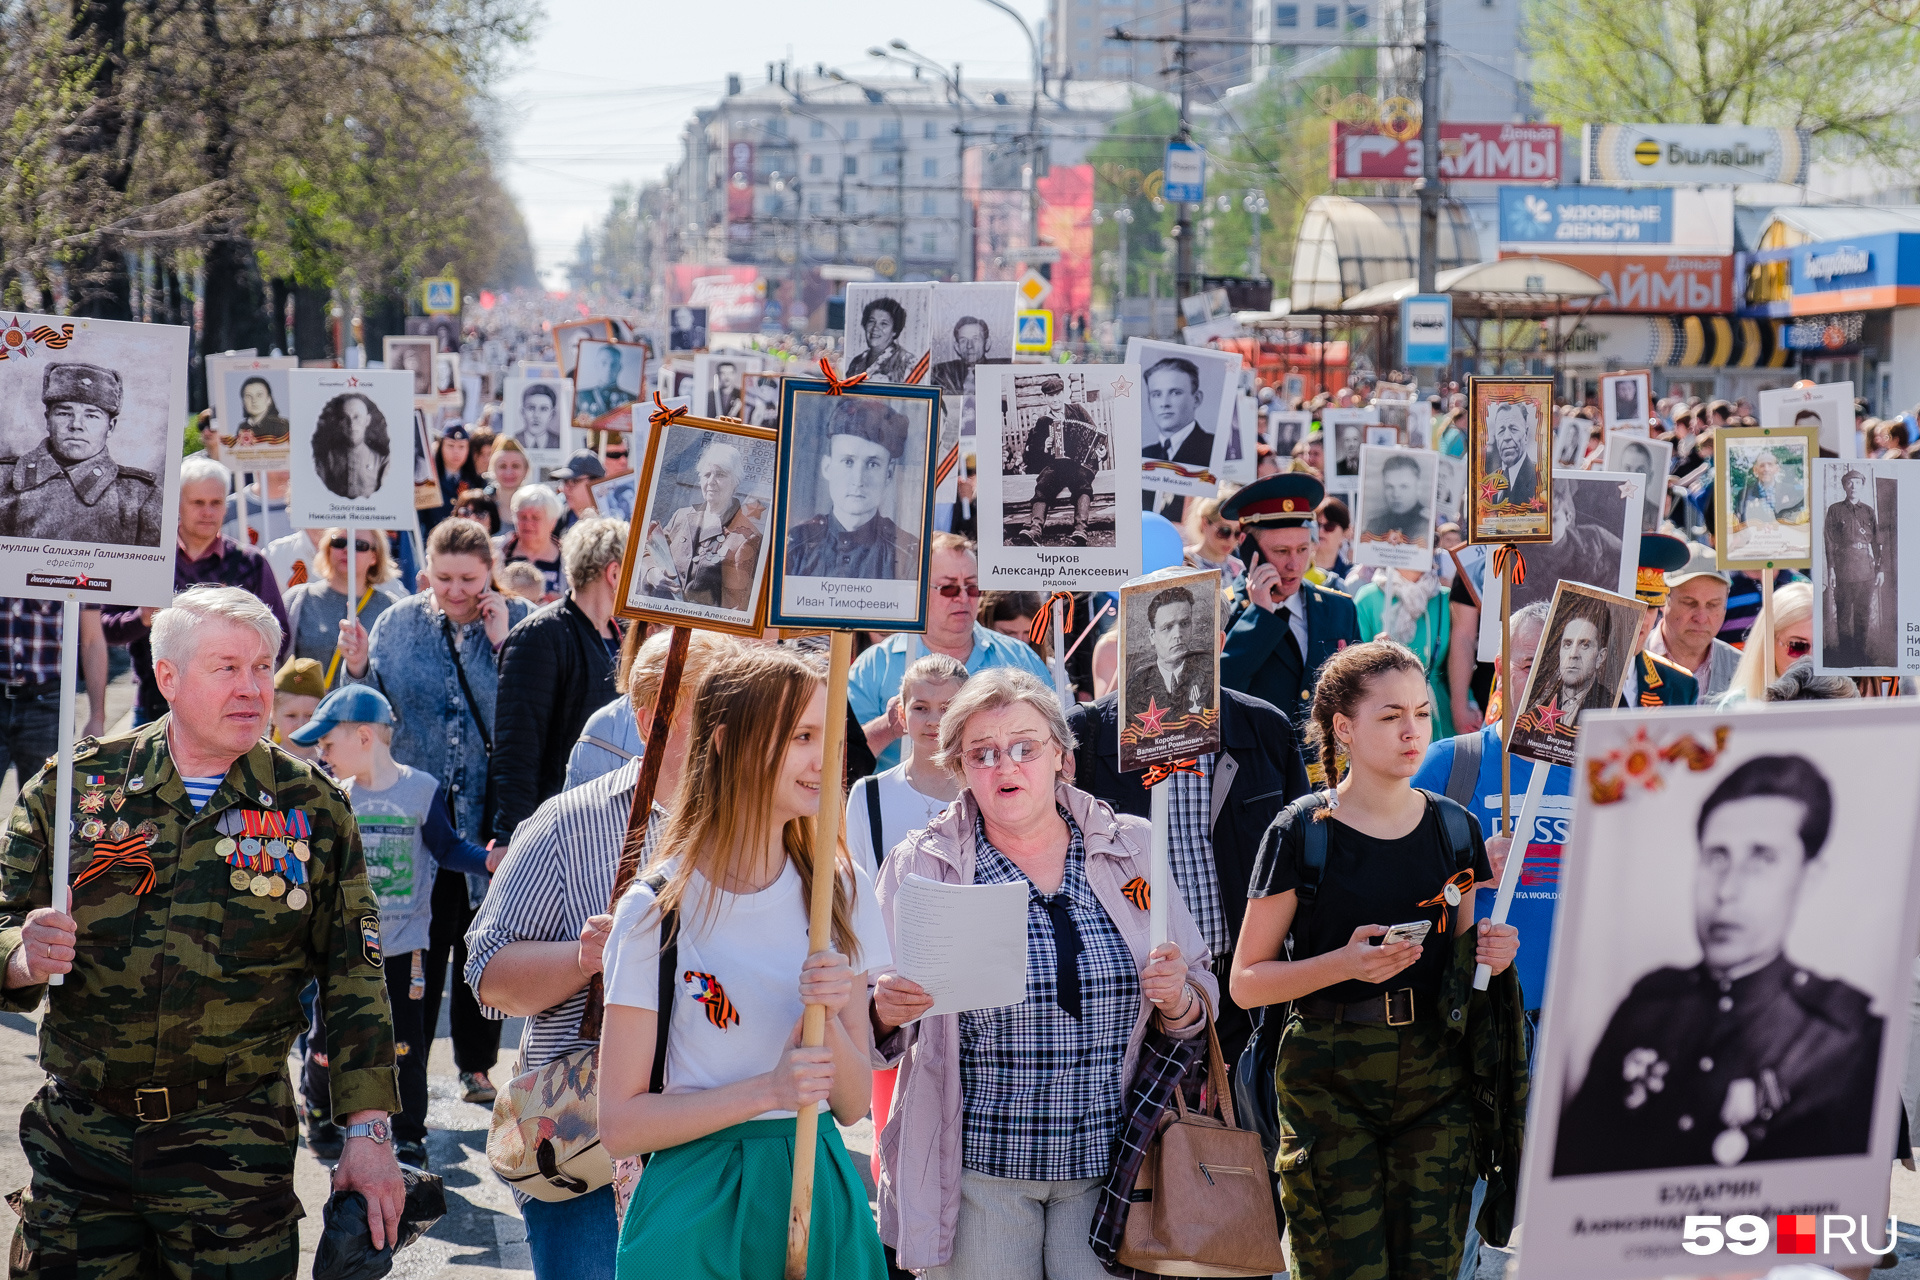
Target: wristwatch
<point>375,1129</point>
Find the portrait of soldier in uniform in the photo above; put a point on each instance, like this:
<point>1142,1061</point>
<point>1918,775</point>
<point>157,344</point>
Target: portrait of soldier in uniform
<point>724,399</point>
<point>351,447</point>
<point>1746,1056</point>
<point>1579,666</point>
<point>861,447</point>
<point>1064,451</point>
<point>68,487</point>
<point>1648,459</point>
<point>1401,515</point>
<point>1169,668</point>
<point>1176,673</point>
<point>608,378</point>
<point>416,356</point>
<point>1858,555</point>
<point>687,329</point>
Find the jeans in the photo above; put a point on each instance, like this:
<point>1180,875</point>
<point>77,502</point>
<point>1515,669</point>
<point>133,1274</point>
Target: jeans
<point>29,732</point>
<point>573,1239</point>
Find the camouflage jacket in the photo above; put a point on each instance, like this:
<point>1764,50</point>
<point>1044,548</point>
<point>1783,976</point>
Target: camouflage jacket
<point>198,978</point>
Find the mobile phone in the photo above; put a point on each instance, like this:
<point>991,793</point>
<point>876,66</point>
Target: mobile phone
<point>1414,931</point>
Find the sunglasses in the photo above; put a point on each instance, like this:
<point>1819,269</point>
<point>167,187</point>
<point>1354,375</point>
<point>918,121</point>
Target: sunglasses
<point>951,590</point>
<point>359,544</point>
<point>1798,648</point>
<point>1019,752</point>
<point>617,457</point>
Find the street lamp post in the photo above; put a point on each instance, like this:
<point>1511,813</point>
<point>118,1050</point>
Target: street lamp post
<point>1255,203</point>
<point>963,240</point>
<point>1031,176</point>
<point>879,98</point>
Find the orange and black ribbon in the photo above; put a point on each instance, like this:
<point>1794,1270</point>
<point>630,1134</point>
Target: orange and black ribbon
<point>835,383</point>
<point>662,415</point>
<point>131,852</point>
<point>920,369</point>
<point>1159,773</point>
<point>1507,559</point>
<point>1136,892</point>
<point>1043,620</point>
<point>1462,881</point>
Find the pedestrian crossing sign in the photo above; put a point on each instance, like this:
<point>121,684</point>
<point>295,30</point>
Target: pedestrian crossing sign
<point>1033,331</point>
<point>442,296</point>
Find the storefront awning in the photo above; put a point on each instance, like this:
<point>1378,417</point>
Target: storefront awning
<point>1515,286</point>
<point>1347,245</point>
<point>1680,342</point>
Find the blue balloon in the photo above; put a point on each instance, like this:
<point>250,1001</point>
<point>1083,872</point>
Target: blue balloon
<point>1160,545</point>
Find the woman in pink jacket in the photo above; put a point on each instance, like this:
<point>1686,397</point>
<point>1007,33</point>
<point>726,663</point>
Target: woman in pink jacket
<point>1003,1119</point>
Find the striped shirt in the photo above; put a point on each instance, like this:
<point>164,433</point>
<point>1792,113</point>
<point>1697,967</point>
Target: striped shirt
<point>200,790</point>
<point>558,871</point>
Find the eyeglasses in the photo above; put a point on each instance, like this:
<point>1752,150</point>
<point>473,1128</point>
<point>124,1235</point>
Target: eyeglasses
<point>1019,752</point>
<point>1798,648</point>
<point>951,590</point>
<point>359,544</point>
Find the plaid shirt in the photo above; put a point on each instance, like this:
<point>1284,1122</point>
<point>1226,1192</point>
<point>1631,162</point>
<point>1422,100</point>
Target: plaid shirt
<point>1164,1062</point>
<point>30,641</point>
<point>1190,853</point>
<point>1041,1091</point>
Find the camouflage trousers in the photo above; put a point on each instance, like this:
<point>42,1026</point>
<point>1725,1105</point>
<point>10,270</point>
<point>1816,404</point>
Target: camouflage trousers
<point>1375,1163</point>
<point>205,1194</point>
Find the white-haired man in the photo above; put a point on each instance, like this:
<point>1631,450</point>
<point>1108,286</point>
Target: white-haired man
<point>214,875</point>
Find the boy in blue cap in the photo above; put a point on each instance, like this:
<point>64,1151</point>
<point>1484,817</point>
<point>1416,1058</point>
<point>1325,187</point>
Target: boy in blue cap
<point>405,832</point>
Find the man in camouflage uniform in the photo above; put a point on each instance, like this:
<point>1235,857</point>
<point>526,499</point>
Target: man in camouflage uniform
<point>68,487</point>
<point>163,1139</point>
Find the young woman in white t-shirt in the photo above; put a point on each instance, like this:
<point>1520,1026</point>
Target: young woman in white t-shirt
<point>738,858</point>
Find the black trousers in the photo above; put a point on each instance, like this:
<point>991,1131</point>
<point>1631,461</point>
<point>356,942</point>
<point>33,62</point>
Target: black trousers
<point>411,1040</point>
<point>476,1037</point>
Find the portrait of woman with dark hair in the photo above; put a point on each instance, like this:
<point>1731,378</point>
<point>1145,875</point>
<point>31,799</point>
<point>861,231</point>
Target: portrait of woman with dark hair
<point>262,422</point>
<point>882,322</point>
<point>350,446</point>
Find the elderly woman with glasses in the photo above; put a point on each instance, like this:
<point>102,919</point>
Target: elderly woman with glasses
<point>1003,1119</point>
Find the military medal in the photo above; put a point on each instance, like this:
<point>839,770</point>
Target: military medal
<point>301,851</point>
<point>92,829</point>
<point>296,897</point>
<point>276,849</point>
<point>276,887</point>
<point>250,846</point>
<point>119,829</point>
<point>258,886</point>
<point>1742,1107</point>
<point>226,847</point>
<point>240,879</point>
<point>93,802</point>
<point>148,831</point>
<point>120,794</point>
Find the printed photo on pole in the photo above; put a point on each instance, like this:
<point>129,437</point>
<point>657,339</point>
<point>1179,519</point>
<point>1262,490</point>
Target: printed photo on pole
<point>415,355</point>
<point>853,506</point>
<point>1740,1029</point>
<point>1509,421</point>
<point>1187,415</point>
<point>1626,402</point>
<point>608,378</point>
<point>889,330</point>
<point>615,495</point>
<point>1452,487</point>
<point>1762,510</point>
<point>252,421</point>
<point>1169,667</point>
<point>1865,609</point>
<point>972,326</point>
<point>90,457</point>
<point>1399,496</point>
<point>686,329</point>
<point>700,504</point>
<point>446,379</point>
<point>1827,407</point>
<point>1059,447</point>
<point>351,463</point>
<point>1285,429</point>
<point>761,394</point>
<point>1583,659</point>
<point>568,336</point>
<point>1648,459</point>
<point>1596,541</point>
<point>721,381</point>
<point>538,413</point>
<point>1343,433</point>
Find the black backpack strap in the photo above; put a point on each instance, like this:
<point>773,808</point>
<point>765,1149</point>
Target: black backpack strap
<point>1313,857</point>
<point>873,818</point>
<point>669,962</point>
<point>1457,823</point>
<point>1465,774</point>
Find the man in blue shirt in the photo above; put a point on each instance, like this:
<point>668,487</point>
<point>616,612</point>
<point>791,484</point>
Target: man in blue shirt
<point>873,686</point>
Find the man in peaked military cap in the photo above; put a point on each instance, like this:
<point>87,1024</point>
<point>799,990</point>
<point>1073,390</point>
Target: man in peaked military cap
<point>865,439</point>
<point>1658,681</point>
<point>68,487</point>
<point>214,875</point>
<point>1746,1056</point>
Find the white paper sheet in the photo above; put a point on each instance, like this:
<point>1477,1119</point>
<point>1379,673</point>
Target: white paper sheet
<point>966,944</point>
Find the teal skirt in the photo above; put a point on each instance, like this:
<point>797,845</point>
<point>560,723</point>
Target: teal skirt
<point>716,1209</point>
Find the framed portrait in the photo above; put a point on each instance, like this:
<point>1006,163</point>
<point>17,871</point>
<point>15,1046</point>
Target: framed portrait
<point>252,426</point>
<point>1399,501</point>
<point>445,331</point>
<point>1059,448</point>
<point>889,330</point>
<point>225,412</point>
<point>761,397</point>
<point>698,552</point>
<point>686,328</point>
<point>1650,460</point>
<point>853,506</point>
<point>1510,458</point>
<point>415,355</point>
<point>1187,417</point>
<point>446,376</point>
<point>1344,432</point>
<point>353,455</point>
<point>92,422</point>
<point>1595,542</point>
<point>721,381</point>
<point>1452,485</point>
<point>608,377</point>
<point>1762,505</point>
<point>614,496</point>
<point>1740,1029</point>
<point>1169,667</point>
<point>568,335</point>
<point>538,412</point>
<point>1584,657</point>
<point>1287,428</point>
<point>1419,424</point>
<point>1827,408</point>
<point>1383,437</point>
<point>1626,401</point>
<point>1865,607</point>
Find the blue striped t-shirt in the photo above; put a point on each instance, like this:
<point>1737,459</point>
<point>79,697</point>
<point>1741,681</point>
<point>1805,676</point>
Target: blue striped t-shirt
<point>200,790</point>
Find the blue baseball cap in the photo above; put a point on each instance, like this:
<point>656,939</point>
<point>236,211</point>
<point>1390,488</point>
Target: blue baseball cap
<point>355,704</point>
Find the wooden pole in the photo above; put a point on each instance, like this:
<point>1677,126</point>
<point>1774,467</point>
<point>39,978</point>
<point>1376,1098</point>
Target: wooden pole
<point>1767,673</point>
<point>813,1025</point>
<point>63,769</point>
<point>1509,700</point>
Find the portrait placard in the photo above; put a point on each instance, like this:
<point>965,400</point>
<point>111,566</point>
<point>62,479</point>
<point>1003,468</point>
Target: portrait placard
<point>1583,659</point>
<point>415,355</point>
<point>698,552</point>
<point>351,463</point>
<point>1399,494</point>
<point>972,325</point>
<point>1760,496</point>
<point>1419,425</point>
<point>568,335</point>
<point>1343,434</point>
<point>614,496</point>
<point>95,412</point>
<point>1169,667</point>
<point>720,377</point>
<point>853,506</point>
<point>538,413</point>
<point>686,329</point>
<point>889,330</point>
<point>252,422</point>
<point>1596,542</point>
<point>1509,421</point>
<point>1187,416</point>
<point>1285,429</point>
<point>1867,611</point>
<point>608,378</point>
<point>762,397</point>
<point>1649,459</point>
<point>446,378</point>
<point>1731,1044</point>
<point>1452,487</point>
<point>1060,446</point>
<point>1240,459</point>
<point>1626,402</point>
<point>1827,407</point>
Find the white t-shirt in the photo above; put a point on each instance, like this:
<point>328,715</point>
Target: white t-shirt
<point>739,982</point>
<point>902,809</point>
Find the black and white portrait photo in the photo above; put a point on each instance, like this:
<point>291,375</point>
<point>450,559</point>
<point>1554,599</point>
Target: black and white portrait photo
<point>1739,1026</point>
<point>972,325</point>
<point>761,397</point>
<point>1345,433</point>
<point>1169,667</point>
<point>1285,429</point>
<point>568,336</point>
<point>1579,667</point>
<point>1185,421</point>
<point>721,379</point>
<point>607,378</point>
<point>415,355</point>
<point>1856,566</point>
<point>686,329</point>
<point>1760,493</point>
<point>1059,450</point>
<point>889,329</point>
<point>703,502</point>
<point>1452,473</point>
<point>615,495</point>
<point>1626,401</point>
<point>1648,459</point>
<point>253,418</point>
<point>1827,408</point>
<point>1510,452</point>
<point>538,412</point>
<point>1596,542</point>
<point>446,375</point>
<point>445,331</point>
<point>855,509</point>
<point>352,459</point>
<point>1394,525</point>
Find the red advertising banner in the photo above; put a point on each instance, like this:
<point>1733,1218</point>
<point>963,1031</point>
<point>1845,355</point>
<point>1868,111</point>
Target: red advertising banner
<point>733,295</point>
<point>1507,153</point>
<point>740,181</point>
<point>1656,284</point>
<point>1066,221</point>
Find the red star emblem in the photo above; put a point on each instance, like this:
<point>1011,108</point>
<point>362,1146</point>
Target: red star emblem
<point>1491,487</point>
<point>1122,388</point>
<point>1549,715</point>
<point>1150,718</point>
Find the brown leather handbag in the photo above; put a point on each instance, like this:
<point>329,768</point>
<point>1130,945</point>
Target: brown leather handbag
<point>1202,1205</point>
